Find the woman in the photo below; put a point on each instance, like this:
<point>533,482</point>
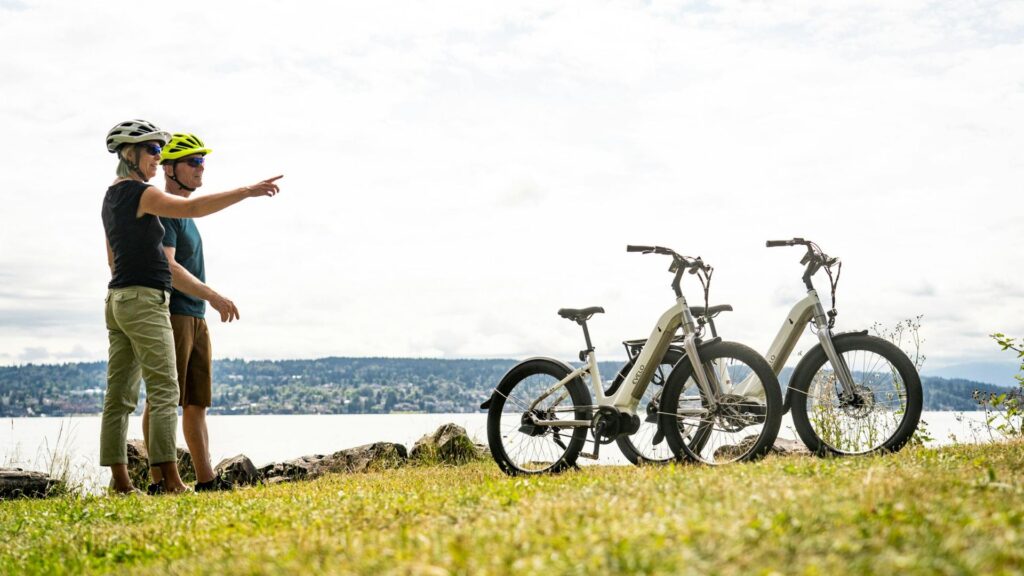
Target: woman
<point>138,320</point>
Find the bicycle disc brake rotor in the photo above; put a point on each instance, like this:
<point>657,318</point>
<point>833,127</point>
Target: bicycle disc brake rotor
<point>862,403</point>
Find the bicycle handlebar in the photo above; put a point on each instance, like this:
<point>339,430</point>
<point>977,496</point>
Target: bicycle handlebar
<point>793,242</point>
<point>632,248</point>
<point>694,264</point>
<point>814,258</point>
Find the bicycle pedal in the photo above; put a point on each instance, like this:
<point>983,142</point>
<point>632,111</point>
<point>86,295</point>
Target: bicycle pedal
<point>588,455</point>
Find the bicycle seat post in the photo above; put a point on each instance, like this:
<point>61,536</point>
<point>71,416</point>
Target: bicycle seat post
<point>586,336</point>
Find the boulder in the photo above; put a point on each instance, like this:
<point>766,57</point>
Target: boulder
<point>449,444</point>
<point>138,464</point>
<point>376,456</point>
<point>366,458</point>
<point>18,483</point>
<point>298,469</point>
<point>238,470</point>
<point>782,447</point>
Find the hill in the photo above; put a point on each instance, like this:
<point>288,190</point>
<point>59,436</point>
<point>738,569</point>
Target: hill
<point>332,386</point>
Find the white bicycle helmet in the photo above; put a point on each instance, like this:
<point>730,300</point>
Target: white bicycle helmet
<point>133,132</point>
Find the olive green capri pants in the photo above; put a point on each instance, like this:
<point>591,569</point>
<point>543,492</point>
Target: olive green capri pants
<point>141,345</point>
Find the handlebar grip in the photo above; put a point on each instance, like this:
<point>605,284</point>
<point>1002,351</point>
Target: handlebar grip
<point>632,248</point>
<point>776,243</point>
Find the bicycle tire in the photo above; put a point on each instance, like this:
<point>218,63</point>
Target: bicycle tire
<point>822,421</point>
<point>543,449</point>
<point>741,428</point>
<point>647,445</point>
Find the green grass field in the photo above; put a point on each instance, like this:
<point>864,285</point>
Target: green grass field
<point>954,510</point>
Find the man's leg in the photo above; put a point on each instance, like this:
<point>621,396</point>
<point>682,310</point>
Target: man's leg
<point>193,424</point>
<point>197,395</point>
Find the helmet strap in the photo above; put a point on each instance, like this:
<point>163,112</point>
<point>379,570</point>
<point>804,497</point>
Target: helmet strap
<point>131,164</point>
<point>174,176</point>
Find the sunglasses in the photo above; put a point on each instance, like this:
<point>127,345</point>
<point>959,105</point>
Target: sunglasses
<point>195,162</point>
<point>152,149</point>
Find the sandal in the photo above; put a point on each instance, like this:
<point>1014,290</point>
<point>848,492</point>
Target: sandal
<point>216,485</point>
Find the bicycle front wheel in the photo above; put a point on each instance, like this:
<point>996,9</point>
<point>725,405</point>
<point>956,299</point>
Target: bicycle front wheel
<point>737,420</point>
<point>526,395</point>
<point>880,415</point>
<point>647,445</point>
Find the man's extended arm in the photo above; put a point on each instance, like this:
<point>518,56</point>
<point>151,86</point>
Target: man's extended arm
<point>184,281</point>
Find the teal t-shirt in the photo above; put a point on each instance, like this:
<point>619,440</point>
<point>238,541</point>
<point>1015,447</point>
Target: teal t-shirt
<point>182,235</point>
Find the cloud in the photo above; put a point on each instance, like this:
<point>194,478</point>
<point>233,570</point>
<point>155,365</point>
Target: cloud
<point>523,193</point>
<point>923,290</point>
<point>447,160</point>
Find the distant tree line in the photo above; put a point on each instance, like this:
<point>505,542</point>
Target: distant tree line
<point>331,386</point>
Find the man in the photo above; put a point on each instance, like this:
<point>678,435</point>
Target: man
<point>183,161</point>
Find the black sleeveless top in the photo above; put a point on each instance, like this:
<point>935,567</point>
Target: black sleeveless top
<point>139,258</point>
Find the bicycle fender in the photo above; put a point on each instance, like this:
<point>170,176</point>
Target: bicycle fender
<point>700,346</point>
<point>535,360</point>
<point>801,366</point>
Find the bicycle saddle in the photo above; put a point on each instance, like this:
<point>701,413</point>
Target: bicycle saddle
<point>581,314</point>
<point>712,311</point>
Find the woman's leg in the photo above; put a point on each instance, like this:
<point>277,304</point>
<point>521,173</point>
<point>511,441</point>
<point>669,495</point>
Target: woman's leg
<point>122,396</point>
<point>154,471</point>
<point>147,322</point>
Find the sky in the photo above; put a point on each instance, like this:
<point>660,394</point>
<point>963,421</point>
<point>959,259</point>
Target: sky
<point>456,172</point>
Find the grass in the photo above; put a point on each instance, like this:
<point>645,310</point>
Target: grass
<point>951,510</point>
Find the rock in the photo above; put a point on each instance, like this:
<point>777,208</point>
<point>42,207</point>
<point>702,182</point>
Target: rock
<point>376,456</point>
<point>302,468</point>
<point>17,483</point>
<point>138,464</point>
<point>238,470</point>
<point>782,447</point>
<point>449,444</point>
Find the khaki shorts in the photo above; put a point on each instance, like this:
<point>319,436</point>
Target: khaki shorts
<point>194,357</point>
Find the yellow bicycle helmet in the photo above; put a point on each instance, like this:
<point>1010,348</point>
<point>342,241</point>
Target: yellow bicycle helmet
<point>182,145</point>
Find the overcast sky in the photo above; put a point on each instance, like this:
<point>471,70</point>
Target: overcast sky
<point>455,172</point>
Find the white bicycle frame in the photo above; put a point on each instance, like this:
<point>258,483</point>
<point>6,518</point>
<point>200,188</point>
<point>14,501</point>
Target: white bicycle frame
<point>628,396</point>
<point>809,309</point>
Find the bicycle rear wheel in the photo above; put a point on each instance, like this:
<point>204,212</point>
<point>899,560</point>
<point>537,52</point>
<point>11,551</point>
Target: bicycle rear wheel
<point>883,411</point>
<point>739,423</point>
<point>519,446</point>
<point>647,445</point>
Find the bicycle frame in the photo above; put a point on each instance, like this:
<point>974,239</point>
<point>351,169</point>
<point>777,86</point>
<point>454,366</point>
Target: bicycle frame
<point>628,396</point>
<point>809,309</point>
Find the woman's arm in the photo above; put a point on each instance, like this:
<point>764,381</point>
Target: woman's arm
<point>155,202</point>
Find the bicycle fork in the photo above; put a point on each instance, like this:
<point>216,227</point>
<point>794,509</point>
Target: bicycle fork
<point>707,380</point>
<point>839,366</point>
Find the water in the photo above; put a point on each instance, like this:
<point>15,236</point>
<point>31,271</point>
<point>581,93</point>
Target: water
<point>32,443</point>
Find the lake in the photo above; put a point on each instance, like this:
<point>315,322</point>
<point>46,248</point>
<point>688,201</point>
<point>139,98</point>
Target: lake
<point>31,443</point>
